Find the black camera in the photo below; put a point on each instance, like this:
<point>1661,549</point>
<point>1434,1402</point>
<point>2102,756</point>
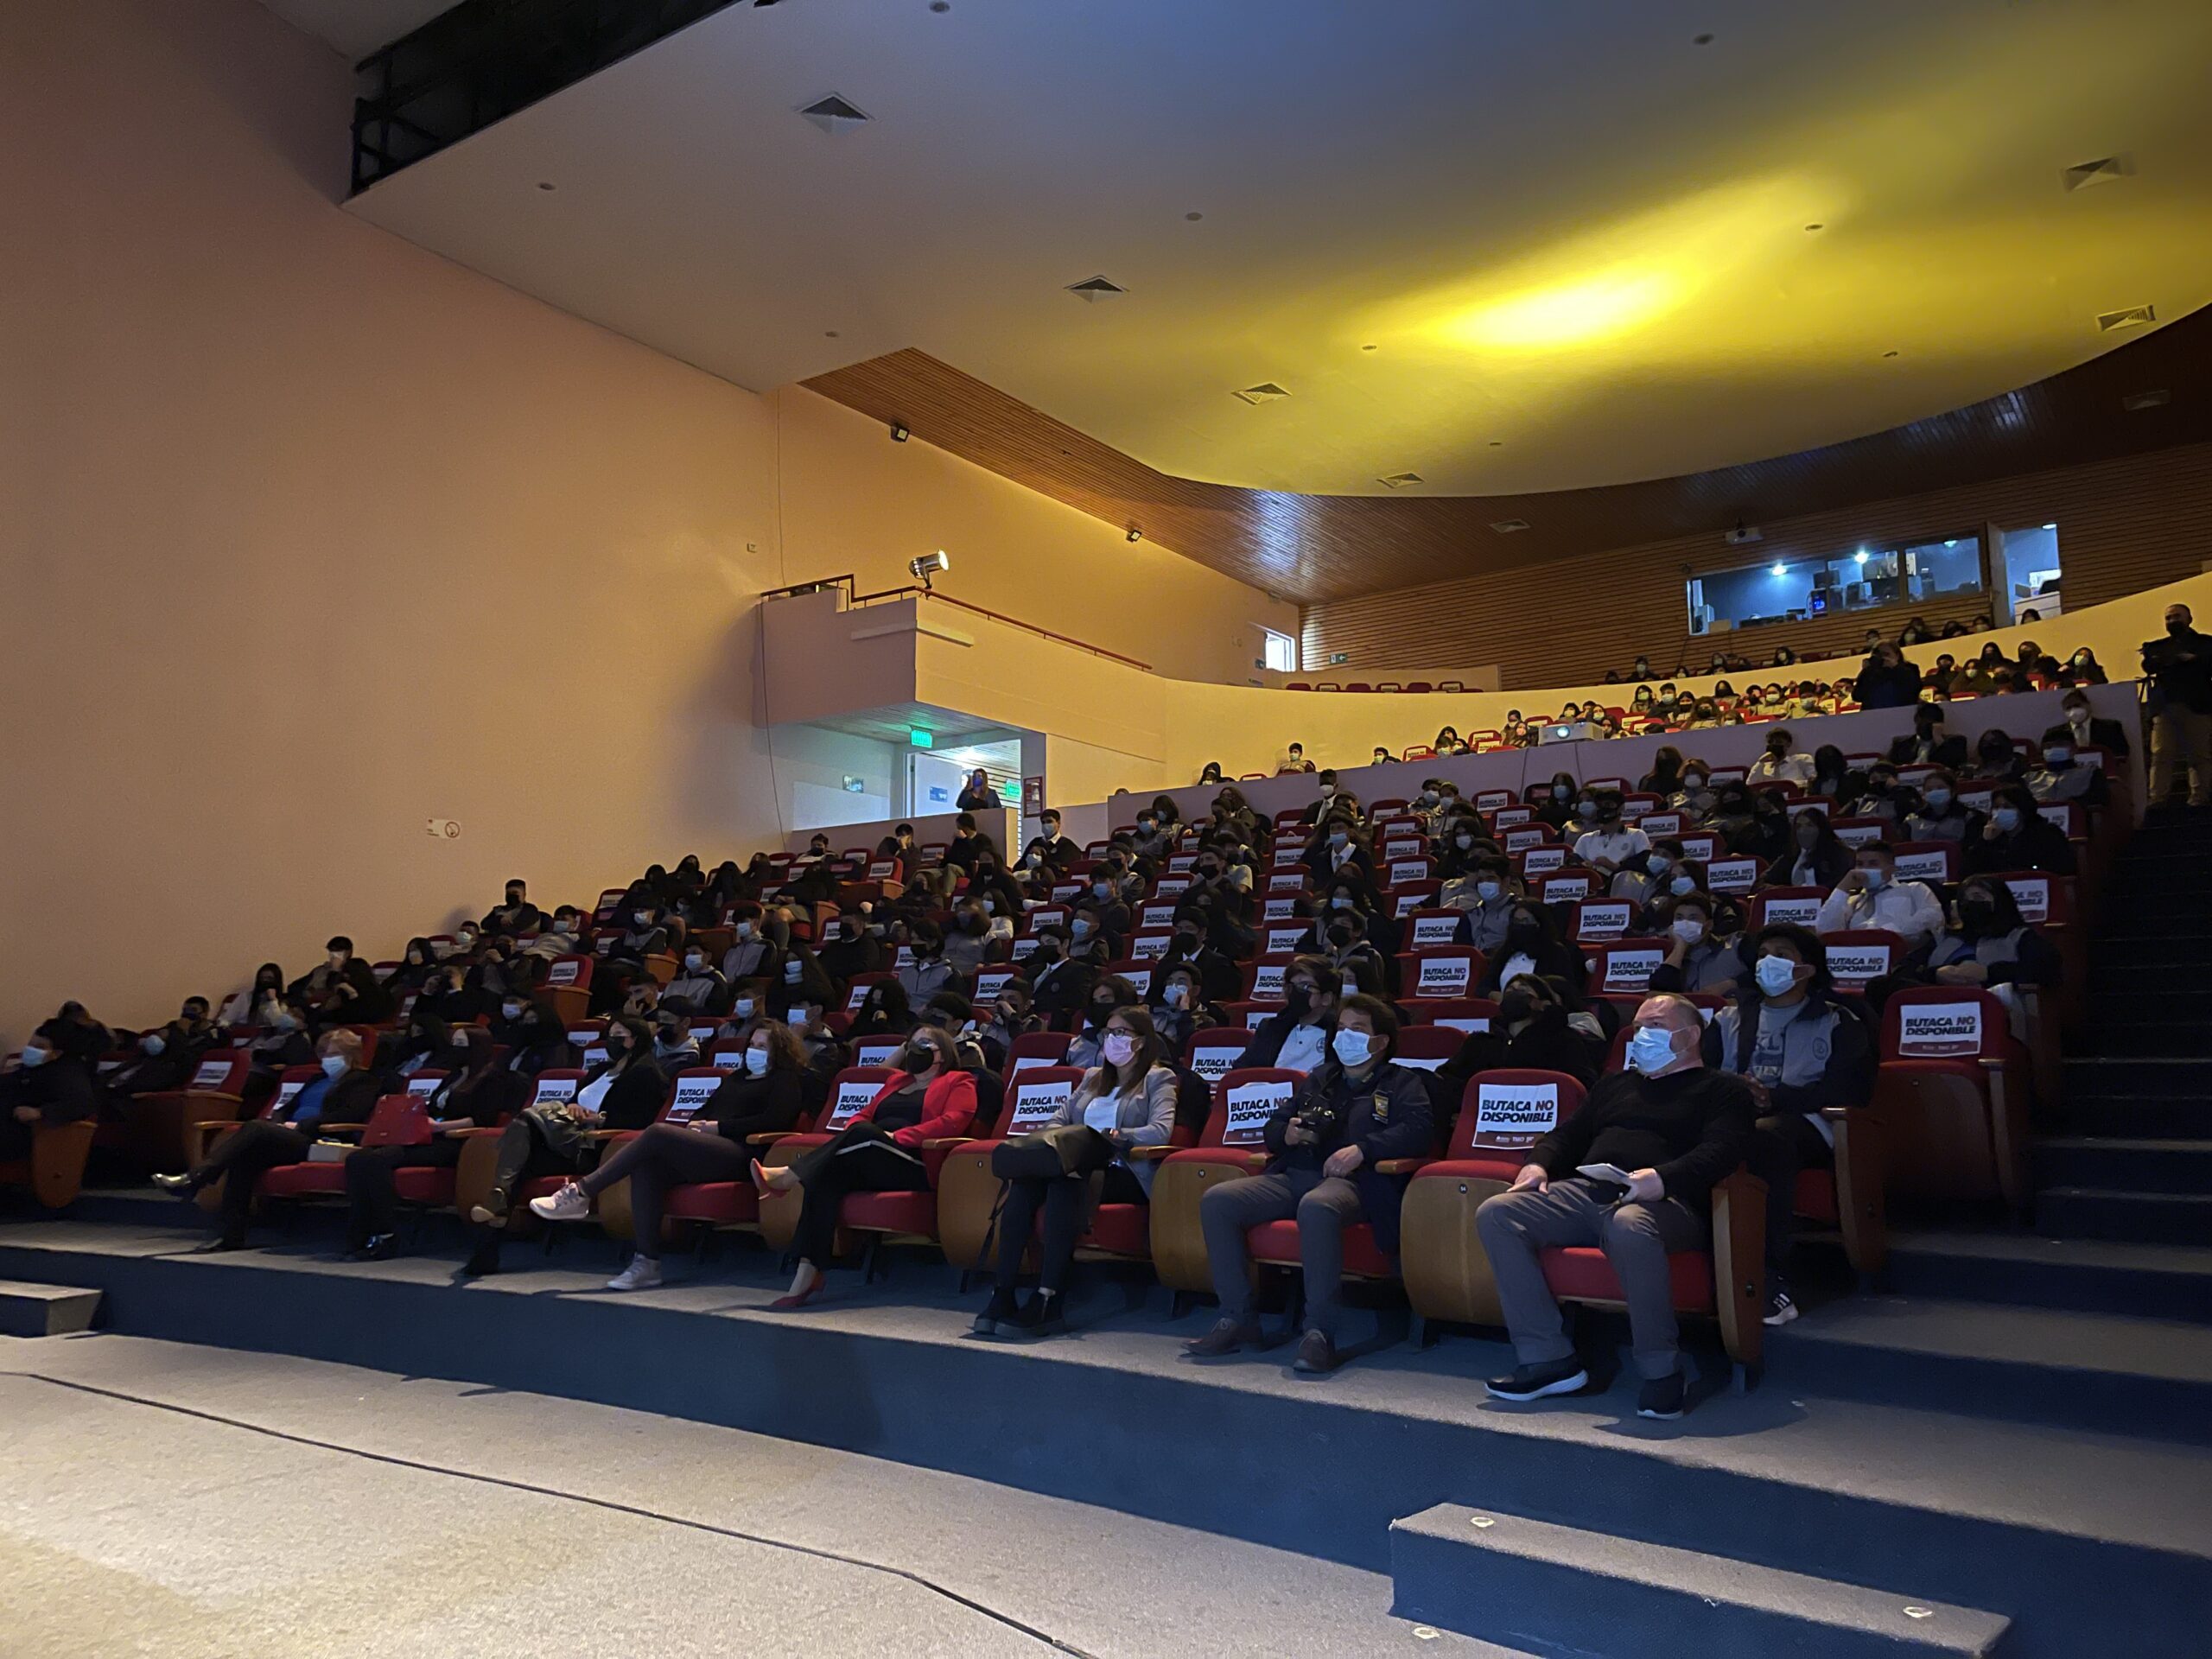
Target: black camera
<point>1321,1121</point>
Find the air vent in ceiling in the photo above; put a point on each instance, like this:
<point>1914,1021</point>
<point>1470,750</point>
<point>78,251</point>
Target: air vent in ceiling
<point>1266,392</point>
<point>1399,481</point>
<point>2106,171</point>
<point>2133,316</point>
<point>833,113</point>
<point>2137,401</point>
<point>1092,289</point>
<point>1508,526</point>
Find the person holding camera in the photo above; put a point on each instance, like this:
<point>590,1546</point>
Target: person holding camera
<point>1354,1113</point>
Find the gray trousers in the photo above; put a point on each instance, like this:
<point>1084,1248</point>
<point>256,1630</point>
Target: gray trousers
<point>1322,1205</point>
<point>1636,1239</point>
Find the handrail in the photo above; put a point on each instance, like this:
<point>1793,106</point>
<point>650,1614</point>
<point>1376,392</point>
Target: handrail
<point>855,600</point>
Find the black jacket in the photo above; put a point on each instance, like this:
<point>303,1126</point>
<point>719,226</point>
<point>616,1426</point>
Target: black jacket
<point>1878,687</point>
<point>1951,751</point>
<point>1388,1117</point>
<point>745,1104</point>
<point>495,1097</point>
<point>1849,1079</point>
<point>1692,1127</point>
<point>2107,734</point>
<point>2037,844</point>
<point>2180,667</point>
<point>1546,1043</point>
<point>634,1098</point>
<point>61,1089</point>
<point>1061,992</point>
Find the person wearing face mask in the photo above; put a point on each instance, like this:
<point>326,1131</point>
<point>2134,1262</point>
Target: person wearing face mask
<point>1153,839</point>
<point>478,1092</point>
<point>1887,679</point>
<point>1293,758</point>
<point>762,1095</point>
<point>1583,819</point>
<point>1815,858</point>
<point>756,951</point>
<point>849,948</point>
<point>426,1044</point>
<point>1939,815</point>
<point>345,1093</point>
<point>1461,843</point>
<point>1541,1023</point>
<point>1781,763</point>
<point>1059,982</point>
<point>1870,896</point>
<point>1103,892</point>
<point>162,1058</point>
<point>1677,1128</point>
<point>1003,1020</point>
<point>1297,1038</point>
<point>929,972</point>
<point>1697,958</point>
<point>1696,797</point>
<point>1196,946</point>
<point>884,1011</point>
<point>1705,715</point>
<point>1988,944</point>
<point>1555,803</point>
<point>2077,730</point>
<point>43,1087</point>
<point>1930,743</point>
<point>514,915</point>
<point>675,1049</point>
<point>531,1033</point>
<point>342,990</point>
<point>2018,837</point>
<point>1666,775</point>
<point>1609,844</point>
<point>645,932</point>
<point>1642,880</point>
<point>1180,1008</point>
<point>698,985</point>
<point>928,1096</point>
<point>1485,898</point>
<point>1128,1097</point>
<point>1802,1049</point>
<point>257,1004</point>
<point>1360,963</point>
<point>1331,1147</point>
<point>1996,760</point>
<point>1884,797</point>
<point>559,936</point>
<point>1337,849</point>
<point>2057,776</point>
<point>416,963</point>
<point>1833,777</point>
<point>1531,945</point>
<point>1109,992</point>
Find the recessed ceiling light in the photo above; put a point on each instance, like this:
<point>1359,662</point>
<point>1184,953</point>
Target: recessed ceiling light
<point>1194,218</point>
<point>2131,316</point>
<point>834,113</point>
<point>1092,289</point>
<point>1509,526</point>
<point>1400,481</point>
<point>1266,392</point>
<point>1702,40</point>
<point>546,184</point>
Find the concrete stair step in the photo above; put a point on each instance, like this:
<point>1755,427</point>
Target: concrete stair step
<point>2132,983</point>
<point>2097,1076</point>
<point>1554,1589</point>
<point>2176,1116</point>
<point>2145,944</point>
<point>2101,1371</point>
<point>2125,1164</point>
<point>2157,1281</point>
<point>2116,1213</point>
<point>32,1310</point>
<point>2152,1038</point>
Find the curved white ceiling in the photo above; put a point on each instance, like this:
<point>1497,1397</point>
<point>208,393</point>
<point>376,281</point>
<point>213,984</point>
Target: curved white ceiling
<point>1575,239</point>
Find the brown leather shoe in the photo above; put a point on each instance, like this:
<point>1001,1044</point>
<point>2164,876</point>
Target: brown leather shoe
<point>1317,1355</point>
<point>1226,1337</point>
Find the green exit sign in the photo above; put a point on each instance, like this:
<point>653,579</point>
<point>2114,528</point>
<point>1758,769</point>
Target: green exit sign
<point>920,739</point>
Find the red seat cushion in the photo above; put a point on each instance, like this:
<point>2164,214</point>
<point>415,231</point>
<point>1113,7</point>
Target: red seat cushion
<point>434,1187</point>
<point>1493,1167</point>
<point>1582,1271</point>
<point>1816,1195</point>
<point>1123,1228</point>
<point>303,1180</point>
<point>714,1201</point>
<point>890,1213</point>
<point>1276,1242</point>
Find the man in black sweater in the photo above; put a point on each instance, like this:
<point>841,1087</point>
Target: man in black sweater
<point>1673,1128</point>
<point>2180,670</point>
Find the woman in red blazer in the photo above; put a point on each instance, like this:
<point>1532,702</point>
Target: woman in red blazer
<point>880,1151</point>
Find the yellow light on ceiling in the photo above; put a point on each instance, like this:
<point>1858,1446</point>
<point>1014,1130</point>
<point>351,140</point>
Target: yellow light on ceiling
<point>1567,313</point>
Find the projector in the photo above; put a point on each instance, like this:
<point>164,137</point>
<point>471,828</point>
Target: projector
<point>1743,535</point>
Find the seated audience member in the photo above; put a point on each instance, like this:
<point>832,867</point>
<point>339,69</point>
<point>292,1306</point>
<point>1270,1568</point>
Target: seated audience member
<point>2077,730</point>
<point>1128,1099</point>
<point>44,1087</point>
<point>531,1033</point>
<point>1695,797</point>
<point>928,1096</point>
<point>1198,942</point>
<point>675,1048</point>
<point>1583,820</point>
<point>1089,942</point>
<point>1354,1113</point>
<point>645,932</point>
<point>1211,772</point>
<point>2018,837</point>
<point>345,1094</point>
<point>756,951</point>
<point>559,936</point>
<point>967,939</point>
<point>2059,776</point>
<point>1677,1129</point>
<point>929,972</point>
<point>1293,759</point>
<point>1930,743</point>
<point>1381,757</point>
<point>699,985</point>
<point>1684,876</point>
<point>479,1092</point>
<point>1155,837</point>
<point>1531,945</point>
<point>1298,1038</point>
<point>515,915</point>
<point>1941,815</point>
<point>762,1096</point>
<point>1869,896</point>
<point>1336,850</point>
<point>1611,844</point>
<point>341,990</point>
<point>1641,880</point>
<point>1059,984</point>
<point>1447,741</point>
<point>1781,763</point>
<point>1885,796</point>
<point>1108,993</point>
<point>2083,669</point>
<point>1816,858</point>
<point>1541,1023</point>
<point>1002,1020</point>
<point>800,970</point>
<point>259,1003</point>
<point>1887,680</point>
<point>1180,1009</point>
<point>1833,777</point>
<point>884,1011</point>
<point>990,885</point>
<point>1485,900</point>
<point>1666,775</point>
<point>850,949</point>
<point>425,1043</point>
<point>1559,803</point>
<point>1802,1048</point>
<point>624,1091</point>
<point>1987,942</point>
<point>1697,959</point>
<point>1705,715</point>
<point>1996,760</point>
<point>1051,846</point>
<point>161,1059</point>
<point>1105,896</point>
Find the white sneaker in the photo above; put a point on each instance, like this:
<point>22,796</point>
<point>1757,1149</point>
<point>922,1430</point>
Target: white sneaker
<point>642,1273</point>
<point>569,1204</point>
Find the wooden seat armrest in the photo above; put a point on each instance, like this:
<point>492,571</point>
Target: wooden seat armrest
<point>1150,1154</point>
<point>1401,1165</point>
<point>939,1142</point>
<point>769,1137</point>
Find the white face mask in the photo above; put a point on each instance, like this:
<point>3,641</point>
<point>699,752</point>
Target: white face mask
<point>1651,1049</point>
<point>1692,781</point>
<point>1118,1047</point>
<point>1776,974</point>
<point>756,1061</point>
<point>791,971</point>
<point>337,959</point>
<point>1353,1047</point>
<point>642,918</point>
<point>332,1064</point>
<point>1465,843</point>
<point>563,926</point>
<point>1688,930</point>
<point>796,1019</point>
<point>152,1043</point>
<point>464,938</point>
<point>1327,790</point>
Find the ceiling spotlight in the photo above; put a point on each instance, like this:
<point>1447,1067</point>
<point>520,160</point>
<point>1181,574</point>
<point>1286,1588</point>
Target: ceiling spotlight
<point>1779,571</point>
<point>1859,557</point>
<point>899,434</point>
<point>546,184</point>
<point>1194,218</point>
<point>1135,535</point>
<point>929,565</point>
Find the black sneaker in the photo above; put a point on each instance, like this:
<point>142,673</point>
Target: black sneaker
<point>486,1259</point>
<point>1317,1355</point>
<point>1780,1310</point>
<point>998,1311</point>
<point>1534,1382</point>
<point>216,1246</point>
<point>1661,1397</point>
<point>1038,1317</point>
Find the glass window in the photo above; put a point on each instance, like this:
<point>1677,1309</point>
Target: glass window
<point>1281,651</point>
<point>1802,590</point>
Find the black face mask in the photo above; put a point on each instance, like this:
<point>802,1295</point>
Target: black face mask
<point>2177,629</point>
<point>1977,915</point>
<point>1298,999</point>
<point>1524,934</point>
<point>1515,1006</point>
<point>1340,936</point>
<point>916,1057</point>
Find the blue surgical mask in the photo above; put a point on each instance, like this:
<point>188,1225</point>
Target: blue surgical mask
<point>1651,1049</point>
<point>1938,799</point>
<point>37,1057</point>
<point>1489,892</point>
<point>756,1061</point>
<point>1875,880</point>
<point>1657,863</point>
<point>1682,883</point>
<point>1776,974</point>
<point>333,1065</point>
<point>2008,818</point>
<point>1353,1047</point>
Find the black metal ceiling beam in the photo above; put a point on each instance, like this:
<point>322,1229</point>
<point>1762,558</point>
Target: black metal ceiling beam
<point>484,60</point>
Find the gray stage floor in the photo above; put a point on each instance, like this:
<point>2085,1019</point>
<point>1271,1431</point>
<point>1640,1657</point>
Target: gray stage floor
<point>366,1513</point>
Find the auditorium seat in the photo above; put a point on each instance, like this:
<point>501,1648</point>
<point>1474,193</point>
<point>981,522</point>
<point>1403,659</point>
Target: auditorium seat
<point>1213,1053</point>
<point>1233,1143</point>
<point>1796,905</point>
<point>1858,956</point>
<point>1034,1049</point>
<point>850,1091</point>
<point>155,1126</point>
<point>690,1091</point>
<point>52,1170</point>
<point>567,986</point>
<point>967,1192</point>
<point>401,1120</point>
<point>1951,1096</point>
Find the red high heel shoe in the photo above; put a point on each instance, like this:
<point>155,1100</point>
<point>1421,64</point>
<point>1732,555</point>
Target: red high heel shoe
<point>800,1297</point>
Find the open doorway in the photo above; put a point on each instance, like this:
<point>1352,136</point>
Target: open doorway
<point>2031,575</point>
<point>936,776</point>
